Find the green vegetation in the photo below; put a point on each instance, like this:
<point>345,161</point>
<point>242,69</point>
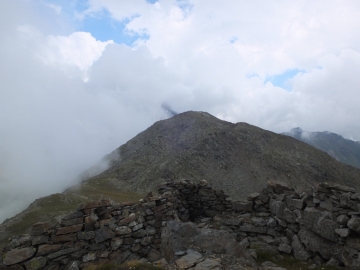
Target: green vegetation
<point>132,265</point>
<point>53,207</point>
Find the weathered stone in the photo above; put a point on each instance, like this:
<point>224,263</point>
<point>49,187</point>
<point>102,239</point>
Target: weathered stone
<point>285,248</point>
<point>189,260</point>
<point>321,223</point>
<point>277,208</point>
<point>315,243</point>
<point>71,222</point>
<point>336,187</point>
<point>36,263</point>
<point>85,235</point>
<point>61,252</point>
<point>353,242</point>
<point>147,240</point>
<point>259,222</point>
<point>137,227</point>
<point>18,255</point>
<point>342,219</point>
<point>180,236</point>
<point>243,206</point>
<point>69,229</point>
<point>293,204</point>
<point>253,196</point>
<point>153,255</point>
<point>132,217</point>
<point>289,216</point>
<point>231,222</point>
<point>123,230</point>
<point>47,249</point>
<point>253,229</point>
<point>327,205</point>
<point>102,234</point>
<point>279,187</point>
<point>119,257</point>
<point>64,238</point>
<point>90,205</point>
<point>116,243</point>
<point>343,232</point>
<point>207,264</point>
<point>139,234</point>
<point>74,215</point>
<point>354,224</point>
<point>245,242</point>
<point>40,239</point>
<point>271,223</point>
<point>89,257</point>
<point>40,228</point>
<point>299,250</point>
<point>19,241</point>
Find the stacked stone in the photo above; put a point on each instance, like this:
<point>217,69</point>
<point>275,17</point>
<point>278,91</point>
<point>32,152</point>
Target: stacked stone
<point>96,231</point>
<point>321,224</point>
<point>197,199</point>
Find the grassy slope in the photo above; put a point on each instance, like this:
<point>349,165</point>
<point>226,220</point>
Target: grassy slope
<point>53,207</point>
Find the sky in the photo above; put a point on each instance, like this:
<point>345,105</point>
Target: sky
<point>78,78</point>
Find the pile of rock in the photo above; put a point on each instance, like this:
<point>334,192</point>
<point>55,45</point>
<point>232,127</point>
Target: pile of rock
<point>97,231</point>
<point>321,225</point>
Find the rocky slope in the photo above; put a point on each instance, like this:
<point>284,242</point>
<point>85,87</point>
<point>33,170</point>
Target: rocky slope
<point>343,150</point>
<point>238,158</point>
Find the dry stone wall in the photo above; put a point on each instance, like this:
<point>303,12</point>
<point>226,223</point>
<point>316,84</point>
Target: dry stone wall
<point>321,225</point>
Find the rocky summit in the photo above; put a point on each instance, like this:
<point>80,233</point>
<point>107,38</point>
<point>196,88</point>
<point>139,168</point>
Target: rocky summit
<point>237,158</point>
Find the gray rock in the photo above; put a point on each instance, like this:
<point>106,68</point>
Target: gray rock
<point>189,260</point>
<point>103,234</point>
<point>277,208</point>
<point>342,219</point>
<point>243,206</point>
<point>207,264</point>
<point>18,255</point>
<point>116,243</point>
<point>293,204</point>
<point>354,224</point>
<point>122,230</point>
<point>89,257</point>
<point>85,235</point>
<point>315,243</point>
<point>36,263</point>
<point>343,232</point>
<point>299,250</point>
<point>285,248</point>
<point>353,242</point>
<point>181,236</point>
<point>321,223</point>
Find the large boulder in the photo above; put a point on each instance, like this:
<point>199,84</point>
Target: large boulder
<point>178,237</point>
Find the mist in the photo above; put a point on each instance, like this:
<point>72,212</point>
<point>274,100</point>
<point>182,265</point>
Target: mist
<point>67,99</point>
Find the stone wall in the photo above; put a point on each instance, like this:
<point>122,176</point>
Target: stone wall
<point>321,225</point>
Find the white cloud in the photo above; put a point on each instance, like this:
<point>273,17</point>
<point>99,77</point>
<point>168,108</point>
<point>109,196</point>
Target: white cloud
<point>207,56</point>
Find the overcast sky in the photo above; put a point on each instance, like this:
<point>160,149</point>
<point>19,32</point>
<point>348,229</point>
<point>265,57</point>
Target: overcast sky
<point>79,78</point>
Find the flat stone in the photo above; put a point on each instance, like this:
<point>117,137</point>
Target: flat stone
<point>36,263</point>
<point>71,222</point>
<point>40,239</point>
<point>253,229</point>
<point>207,264</point>
<point>64,238</point>
<point>123,230</point>
<point>132,217</point>
<point>47,249</point>
<point>19,241</point>
<point>69,229</point>
<point>119,257</point>
<point>353,242</point>
<point>279,187</point>
<point>243,206</point>
<point>73,215</point>
<point>103,234</point>
<point>61,253</point>
<point>189,260</point>
<point>336,187</point>
<point>139,234</point>
<point>97,204</point>
<point>293,204</point>
<point>85,235</point>
<point>40,228</point>
<point>253,196</point>
<point>153,255</point>
<point>18,255</point>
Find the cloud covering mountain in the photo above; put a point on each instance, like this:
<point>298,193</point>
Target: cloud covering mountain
<point>69,96</point>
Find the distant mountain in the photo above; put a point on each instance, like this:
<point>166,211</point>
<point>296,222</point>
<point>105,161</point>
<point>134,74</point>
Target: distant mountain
<point>237,158</point>
<point>343,150</point>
